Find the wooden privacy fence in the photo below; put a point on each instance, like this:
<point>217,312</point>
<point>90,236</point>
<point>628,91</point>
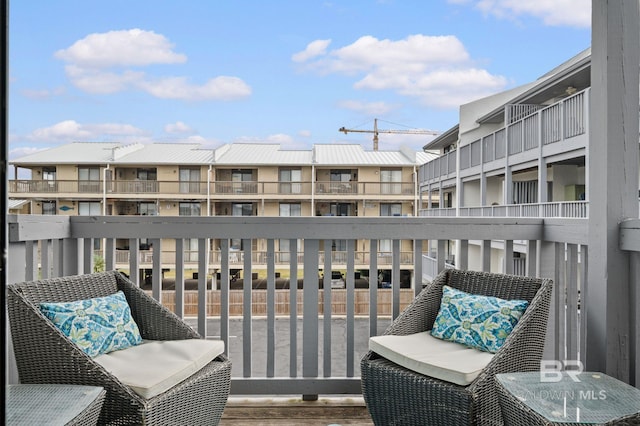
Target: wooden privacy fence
<point>283,301</point>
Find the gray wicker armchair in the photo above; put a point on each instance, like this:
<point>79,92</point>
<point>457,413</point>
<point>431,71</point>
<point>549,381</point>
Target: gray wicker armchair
<point>45,355</point>
<point>398,396</point>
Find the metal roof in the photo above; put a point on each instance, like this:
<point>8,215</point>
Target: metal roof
<point>254,154</point>
<point>168,153</point>
<point>339,154</point>
<point>72,153</point>
<point>261,153</point>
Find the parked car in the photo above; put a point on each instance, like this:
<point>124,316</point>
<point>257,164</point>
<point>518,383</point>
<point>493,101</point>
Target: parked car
<point>337,280</point>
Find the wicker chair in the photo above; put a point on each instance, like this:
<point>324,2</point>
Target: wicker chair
<point>397,396</point>
<point>45,355</point>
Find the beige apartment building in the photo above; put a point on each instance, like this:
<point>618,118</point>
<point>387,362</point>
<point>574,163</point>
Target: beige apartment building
<point>184,179</point>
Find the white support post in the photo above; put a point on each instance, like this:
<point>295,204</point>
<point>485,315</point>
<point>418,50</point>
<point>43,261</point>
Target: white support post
<point>613,178</point>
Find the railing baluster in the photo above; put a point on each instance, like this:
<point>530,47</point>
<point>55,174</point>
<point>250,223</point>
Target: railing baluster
<point>293,308</point>
<point>179,283</point>
<point>134,260</point>
<point>310,312</point>
<point>271,304</point>
<point>156,277</point>
<point>572,301</point>
<point>87,250</point>
<point>350,288</point>
<point>373,287</point>
<point>224,292</point>
<point>326,319</point>
<point>417,267</point>
<point>395,278</point>
<point>247,314</point>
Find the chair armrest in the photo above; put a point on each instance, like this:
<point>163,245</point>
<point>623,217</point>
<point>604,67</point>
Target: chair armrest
<point>155,321</point>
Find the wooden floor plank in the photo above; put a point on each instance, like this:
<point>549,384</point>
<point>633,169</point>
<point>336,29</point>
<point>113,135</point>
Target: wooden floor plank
<point>296,412</point>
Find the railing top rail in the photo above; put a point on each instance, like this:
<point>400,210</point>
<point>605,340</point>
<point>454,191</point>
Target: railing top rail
<point>22,227</point>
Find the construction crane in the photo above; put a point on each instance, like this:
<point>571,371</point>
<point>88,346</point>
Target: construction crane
<point>376,131</point>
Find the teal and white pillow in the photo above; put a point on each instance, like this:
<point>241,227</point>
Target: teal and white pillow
<point>97,326</point>
<point>481,322</point>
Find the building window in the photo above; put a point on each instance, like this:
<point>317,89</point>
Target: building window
<point>290,181</point>
<point>340,209</point>
<point>89,208</point>
<point>49,173</point>
<point>146,174</point>
<point>88,179</point>
<point>190,181</point>
<point>49,178</point>
<point>290,209</point>
<point>48,207</point>
<point>243,181</point>
<point>341,181</point>
<point>390,181</point>
<point>147,209</point>
<point>189,209</point>
<point>390,209</point>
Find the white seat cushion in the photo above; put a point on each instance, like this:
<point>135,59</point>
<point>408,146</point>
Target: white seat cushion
<point>155,366</point>
<point>432,357</point>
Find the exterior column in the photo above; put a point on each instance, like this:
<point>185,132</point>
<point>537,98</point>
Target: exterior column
<point>613,177</point>
<point>508,185</point>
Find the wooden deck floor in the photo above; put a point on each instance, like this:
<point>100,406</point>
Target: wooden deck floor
<point>295,412</point>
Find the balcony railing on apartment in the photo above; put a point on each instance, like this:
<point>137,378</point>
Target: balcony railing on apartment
<point>559,209</point>
<point>270,355</point>
<point>259,258</point>
<point>202,188</point>
<point>527,129</point>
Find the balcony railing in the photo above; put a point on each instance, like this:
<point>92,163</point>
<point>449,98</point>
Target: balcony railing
<point>258,258</point>
<point>529,128</point>
<point>218,189</point>
<point>270,355</point>
<point>560,209</point>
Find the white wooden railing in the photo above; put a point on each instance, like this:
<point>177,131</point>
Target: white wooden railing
<point>559,209</point>
<point>269,354</point>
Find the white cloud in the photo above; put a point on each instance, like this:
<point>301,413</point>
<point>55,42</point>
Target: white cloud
<point>102,82</point>
<point>281,138</point>
<point>436,70</point>
<point>221,88</point>
<point>315,48</point>
<point>178,127</point>
<point>105,63</point>
<point>372,109</point>
<point>125,48</point>
<point>557,13</point>
<point>304,133</point>
<point>67,130</point>
<point>44,93</point>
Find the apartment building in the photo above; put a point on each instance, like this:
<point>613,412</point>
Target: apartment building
<point>519,153</point>
<point>181,179</point>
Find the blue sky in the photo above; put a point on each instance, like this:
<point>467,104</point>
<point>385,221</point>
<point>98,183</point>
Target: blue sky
<point>292,72</point>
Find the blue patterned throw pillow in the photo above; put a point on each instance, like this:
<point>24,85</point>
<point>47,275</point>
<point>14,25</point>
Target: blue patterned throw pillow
<point>481,322</point>
<point>97,326</point>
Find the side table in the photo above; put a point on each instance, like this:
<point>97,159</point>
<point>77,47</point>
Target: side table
<point>584,398</point>
<point>49,404</point>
